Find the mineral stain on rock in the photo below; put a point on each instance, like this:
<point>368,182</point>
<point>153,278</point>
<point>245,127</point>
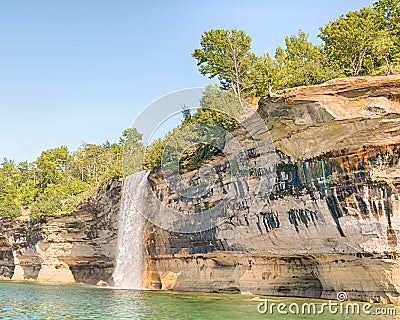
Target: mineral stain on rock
<point>335,197</point>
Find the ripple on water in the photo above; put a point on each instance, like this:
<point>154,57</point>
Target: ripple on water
<point>45,301</point>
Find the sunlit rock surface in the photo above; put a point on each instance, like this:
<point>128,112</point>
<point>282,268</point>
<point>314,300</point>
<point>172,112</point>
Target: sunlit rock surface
<point>331,222</point>
<point>76,248</point>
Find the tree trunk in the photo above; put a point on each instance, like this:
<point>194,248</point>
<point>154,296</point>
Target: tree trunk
<point>236,82</point>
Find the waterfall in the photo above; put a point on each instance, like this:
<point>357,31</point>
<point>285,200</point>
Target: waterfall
<point>128,270</point>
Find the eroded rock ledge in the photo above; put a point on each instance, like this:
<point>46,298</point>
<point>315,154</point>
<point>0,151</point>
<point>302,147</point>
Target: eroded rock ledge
<point>341,114</point>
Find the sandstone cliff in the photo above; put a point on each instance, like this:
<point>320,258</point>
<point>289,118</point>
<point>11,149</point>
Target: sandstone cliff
<point>330,221</point>
<point>79,247</point>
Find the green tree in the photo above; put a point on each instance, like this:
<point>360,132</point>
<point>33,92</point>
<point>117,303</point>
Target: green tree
<point>304,63</point>
<point>386,52</point>
<point>299,63</point>
<point>388,45</point>
<point>267,74</point>
<point>133,151</point>
<point>131,139</point>
<point>388,12</point>
<point>10,206</point>
<point>96,164</point>
<point>58,199</point>
<point>154,152</point>
<point>58,180</point>
<point>225,54</point>
<point>218,107</point>
<point>28,188</point>
<point>186,115</point>
<point>51,165</point>
<point>351,41</point>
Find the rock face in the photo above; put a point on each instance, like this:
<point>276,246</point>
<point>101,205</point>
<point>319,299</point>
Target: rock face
<point>325,219</point>
<point>340,114</point>
<point>67,249</point>
<point>313,208</point>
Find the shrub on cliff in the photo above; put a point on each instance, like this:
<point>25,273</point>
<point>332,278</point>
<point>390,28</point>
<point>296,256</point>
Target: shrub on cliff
<point>58,199</point>
<point>192,142</point>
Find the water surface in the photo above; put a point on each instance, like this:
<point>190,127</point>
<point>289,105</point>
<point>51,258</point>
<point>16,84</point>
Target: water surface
<point>21,300</point>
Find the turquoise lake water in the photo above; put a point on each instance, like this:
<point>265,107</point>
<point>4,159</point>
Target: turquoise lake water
<point>45,301</point>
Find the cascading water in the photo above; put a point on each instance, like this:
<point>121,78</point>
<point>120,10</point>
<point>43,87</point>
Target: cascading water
<point>128,271</point>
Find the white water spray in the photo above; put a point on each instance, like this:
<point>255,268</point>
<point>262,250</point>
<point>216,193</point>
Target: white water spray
<point>128,272</point>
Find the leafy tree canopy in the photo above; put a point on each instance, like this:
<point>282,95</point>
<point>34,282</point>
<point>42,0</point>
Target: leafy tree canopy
<point>59,179</point>
<point>225,54</point>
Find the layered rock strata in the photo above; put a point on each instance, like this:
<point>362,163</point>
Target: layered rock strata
<point>78,248</point>
<point>329,220</point>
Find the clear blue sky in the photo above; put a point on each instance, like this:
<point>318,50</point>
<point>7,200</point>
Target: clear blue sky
<point>73,71</point>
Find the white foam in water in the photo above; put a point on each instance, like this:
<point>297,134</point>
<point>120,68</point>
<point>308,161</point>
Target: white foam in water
<point>128,272</point>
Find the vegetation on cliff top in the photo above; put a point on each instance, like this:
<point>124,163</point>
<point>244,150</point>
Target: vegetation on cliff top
<point>219,110</point>
<point>59,179</point>
<point>364,42</point>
